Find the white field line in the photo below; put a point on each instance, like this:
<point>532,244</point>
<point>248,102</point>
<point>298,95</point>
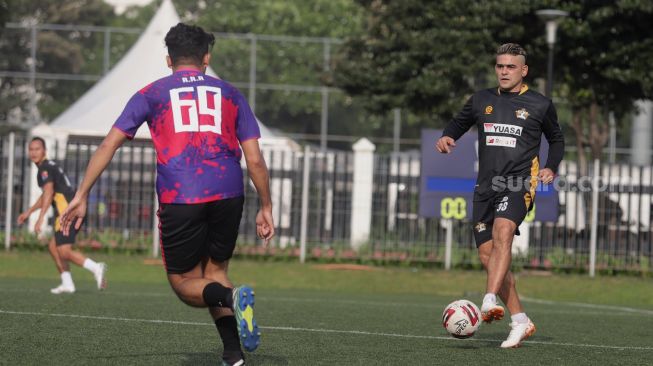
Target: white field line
<point>601,309</point>
<point>294,329</point>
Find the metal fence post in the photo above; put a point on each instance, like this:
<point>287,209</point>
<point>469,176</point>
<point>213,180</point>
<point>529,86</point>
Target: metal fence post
<point>595,216</point>
<point>155,227</point>
<point>448,224</point>
<point>304,218</point>
<point>324,113</point>
<point>10,189</point>
<point>252,73</point>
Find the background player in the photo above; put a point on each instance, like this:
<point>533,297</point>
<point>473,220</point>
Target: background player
<point>57,192</point>
<point>196,122</point>
<point>510,121</point>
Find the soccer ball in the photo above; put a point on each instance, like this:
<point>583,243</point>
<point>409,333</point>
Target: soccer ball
<point>461,318</point>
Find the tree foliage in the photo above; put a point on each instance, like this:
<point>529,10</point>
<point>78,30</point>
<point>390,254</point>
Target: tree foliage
<point>58,52</point>
<point>427,57</point>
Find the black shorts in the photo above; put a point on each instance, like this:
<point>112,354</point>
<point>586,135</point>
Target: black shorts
<point>60,238</point>
<point>193,232</point>
<point>508,205</point>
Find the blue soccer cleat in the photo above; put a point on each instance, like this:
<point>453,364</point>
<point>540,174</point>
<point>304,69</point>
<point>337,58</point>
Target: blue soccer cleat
<point>250,336</point>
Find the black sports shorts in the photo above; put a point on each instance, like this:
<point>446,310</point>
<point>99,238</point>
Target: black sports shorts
<point>192,232</point>
<point>59,237</point>
<point>508,205</point>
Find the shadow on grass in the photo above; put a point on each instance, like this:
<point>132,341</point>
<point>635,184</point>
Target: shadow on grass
<point>198,359</point>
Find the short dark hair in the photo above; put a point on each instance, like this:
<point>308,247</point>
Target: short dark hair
<point>188,43</point>
<point>36,138</point>
<point>511,49</point>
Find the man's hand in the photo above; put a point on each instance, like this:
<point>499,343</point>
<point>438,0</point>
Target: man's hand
<point>73,215</point>
<point>37,226</point>
<point>265,225</point>
<point>546,175</point>
<point>22,217</point>
<point>445,144</point>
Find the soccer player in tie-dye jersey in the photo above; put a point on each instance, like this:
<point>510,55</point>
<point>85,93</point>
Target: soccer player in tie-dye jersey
<point>198,125</point>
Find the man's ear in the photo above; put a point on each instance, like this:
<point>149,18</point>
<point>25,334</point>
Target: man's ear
<point>169,61</point>
<point>524,71</point>
<point>206,60</point>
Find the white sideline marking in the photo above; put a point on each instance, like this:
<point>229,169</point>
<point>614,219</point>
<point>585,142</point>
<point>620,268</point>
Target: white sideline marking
<point>590,306</point>
<point>603,309</point>
<point>294,329</point>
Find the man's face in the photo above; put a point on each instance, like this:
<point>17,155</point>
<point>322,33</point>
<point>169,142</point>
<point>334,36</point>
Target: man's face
<point>510,71</point>
<point>36,152</point>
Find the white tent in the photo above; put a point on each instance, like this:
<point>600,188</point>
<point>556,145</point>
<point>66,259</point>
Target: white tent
<point>95,112</point>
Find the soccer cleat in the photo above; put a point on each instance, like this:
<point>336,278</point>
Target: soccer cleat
<point>250,336</point>
<point>61,289</point>
<point>100,276</point>
<point>519,332</point>
<point>491,312</point>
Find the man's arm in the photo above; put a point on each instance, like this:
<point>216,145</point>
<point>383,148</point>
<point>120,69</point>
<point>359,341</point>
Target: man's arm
<point>460,124</point>
<point>554,136</point>
<point>258,173</point>
<point>46,200</point>
<point>36,206</point>
<point>76,210</point>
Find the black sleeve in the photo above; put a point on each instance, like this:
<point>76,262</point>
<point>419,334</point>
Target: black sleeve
<point>554,136</point>
<point>45,174</point>
<point>462,122</point>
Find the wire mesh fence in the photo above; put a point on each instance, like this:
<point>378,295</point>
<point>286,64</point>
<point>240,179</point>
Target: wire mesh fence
<point>122,209</point>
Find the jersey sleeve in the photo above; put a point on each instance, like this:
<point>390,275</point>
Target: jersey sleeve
<point>554,136</point>
<point>462,122</point>
<point>246,123</point>
<point>45,174</point>
<point>132,117</point>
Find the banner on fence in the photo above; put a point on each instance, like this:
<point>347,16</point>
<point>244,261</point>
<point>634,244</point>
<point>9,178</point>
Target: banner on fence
<point>447,180</point>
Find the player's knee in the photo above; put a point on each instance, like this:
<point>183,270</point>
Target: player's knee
<point>509,280</point>
<point>503,233</point>
<point>64,251</point>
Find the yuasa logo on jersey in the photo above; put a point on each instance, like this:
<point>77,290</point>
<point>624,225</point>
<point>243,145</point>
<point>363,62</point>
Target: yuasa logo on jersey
<point>500,141</point>
<point>522,113</point>
<point>489,109</point>
<point>501,128</point>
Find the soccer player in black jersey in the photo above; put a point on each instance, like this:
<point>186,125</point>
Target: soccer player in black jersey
<point>57,192</point>
<point>510,120</point>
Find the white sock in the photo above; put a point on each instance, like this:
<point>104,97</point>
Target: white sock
<point>91,265</point>
<point>67,279</point>
<point>520,318</point>
<point>490,298</point>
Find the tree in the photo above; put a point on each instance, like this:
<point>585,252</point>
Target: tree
<point>420,55</point>
<point>58,52</point>
<point>427,57</point>
<point>605,50</point>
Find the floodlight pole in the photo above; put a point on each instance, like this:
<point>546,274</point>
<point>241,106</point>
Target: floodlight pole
<point>552,17</point>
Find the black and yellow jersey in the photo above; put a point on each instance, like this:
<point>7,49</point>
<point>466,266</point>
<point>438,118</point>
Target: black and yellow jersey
<point>49,171</point>
<point>510,128</point>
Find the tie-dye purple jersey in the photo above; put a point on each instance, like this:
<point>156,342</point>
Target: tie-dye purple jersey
<point>196,122</point>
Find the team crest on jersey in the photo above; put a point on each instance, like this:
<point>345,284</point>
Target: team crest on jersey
<point>44,175</point>
<point>488,109</point>
<point>480,227</point>
<point>522,113</point>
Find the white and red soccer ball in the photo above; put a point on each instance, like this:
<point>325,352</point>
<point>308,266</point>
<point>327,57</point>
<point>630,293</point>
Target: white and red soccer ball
<point>461,318</point>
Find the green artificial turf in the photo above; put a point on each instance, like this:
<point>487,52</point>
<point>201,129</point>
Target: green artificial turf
<point>314,315</point>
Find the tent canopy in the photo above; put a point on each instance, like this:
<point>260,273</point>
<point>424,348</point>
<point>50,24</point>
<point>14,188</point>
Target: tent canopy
<point>95,112</point>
